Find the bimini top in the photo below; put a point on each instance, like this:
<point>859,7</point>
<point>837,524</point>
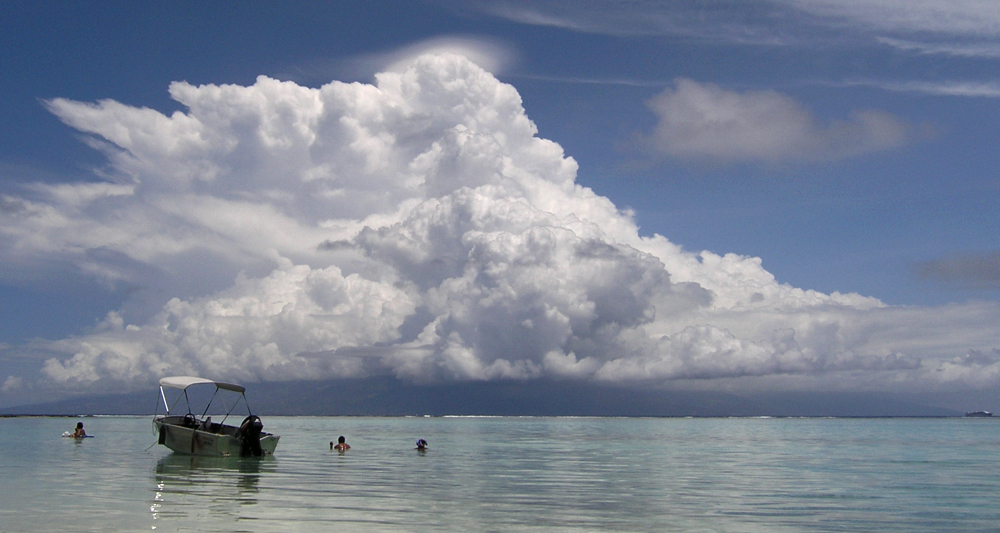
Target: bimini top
<point>183,382</point>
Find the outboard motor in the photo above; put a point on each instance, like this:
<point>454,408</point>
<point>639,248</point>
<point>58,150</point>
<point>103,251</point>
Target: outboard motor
<point>249,435</point>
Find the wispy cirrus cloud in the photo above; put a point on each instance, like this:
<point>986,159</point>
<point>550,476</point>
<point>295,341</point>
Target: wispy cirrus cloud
<point>969,28</point>
<point>988,49</point>
<point>728,21</point>
<point>963,19</point>
<point>935,88</point>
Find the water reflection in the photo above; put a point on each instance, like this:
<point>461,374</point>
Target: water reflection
<point>189,487</point>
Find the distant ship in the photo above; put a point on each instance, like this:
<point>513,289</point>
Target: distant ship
<point>978,414</point>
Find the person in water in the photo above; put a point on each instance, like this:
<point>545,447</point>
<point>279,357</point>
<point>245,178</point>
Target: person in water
<point>421,445</point>
<point>341,446</point>
<point>79,433</point>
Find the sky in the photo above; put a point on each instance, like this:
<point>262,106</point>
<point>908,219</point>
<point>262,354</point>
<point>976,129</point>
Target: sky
<point>774,195</point>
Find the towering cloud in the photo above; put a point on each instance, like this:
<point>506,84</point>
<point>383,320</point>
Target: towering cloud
<point>419,227</point>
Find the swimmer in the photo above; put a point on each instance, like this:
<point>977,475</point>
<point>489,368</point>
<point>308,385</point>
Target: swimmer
<point>421,445</point>
<point>341,446</point>
<point>79,433</point>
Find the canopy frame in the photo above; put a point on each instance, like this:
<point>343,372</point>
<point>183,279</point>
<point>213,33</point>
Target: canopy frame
<point>183,382</point>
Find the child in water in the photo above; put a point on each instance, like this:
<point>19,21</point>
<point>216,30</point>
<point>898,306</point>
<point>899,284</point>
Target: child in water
<point>79,433</point>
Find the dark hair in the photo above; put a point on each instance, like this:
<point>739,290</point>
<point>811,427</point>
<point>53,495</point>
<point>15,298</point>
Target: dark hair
<point>79,424</point>
<point>341,439</point>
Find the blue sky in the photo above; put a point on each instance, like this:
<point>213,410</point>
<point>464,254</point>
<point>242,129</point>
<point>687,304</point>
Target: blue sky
<point>846,144</point>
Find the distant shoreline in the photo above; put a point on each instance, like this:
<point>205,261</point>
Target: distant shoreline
<point>57,416</point>
<point>385,396</point>
<point>679,417</point>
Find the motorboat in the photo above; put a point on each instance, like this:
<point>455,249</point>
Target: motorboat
<point>184,432</point>
<point>978,414</point>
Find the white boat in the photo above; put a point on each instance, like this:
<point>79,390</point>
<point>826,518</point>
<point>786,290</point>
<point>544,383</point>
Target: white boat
<point>184,432</point>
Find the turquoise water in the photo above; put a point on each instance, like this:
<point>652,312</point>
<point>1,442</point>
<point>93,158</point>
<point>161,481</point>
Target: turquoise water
<point>513,474</point>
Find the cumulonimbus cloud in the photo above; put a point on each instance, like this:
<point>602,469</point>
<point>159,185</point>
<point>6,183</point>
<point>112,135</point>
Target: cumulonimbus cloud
<point>419,227</point>
<point>706,122</point>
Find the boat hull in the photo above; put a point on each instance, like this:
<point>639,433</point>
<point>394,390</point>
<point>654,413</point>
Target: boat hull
<point>215,443</point>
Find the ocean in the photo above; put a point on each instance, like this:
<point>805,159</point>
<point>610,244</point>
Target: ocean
<point>513,474</point>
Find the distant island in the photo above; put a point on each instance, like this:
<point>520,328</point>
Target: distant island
<point>387,396</point>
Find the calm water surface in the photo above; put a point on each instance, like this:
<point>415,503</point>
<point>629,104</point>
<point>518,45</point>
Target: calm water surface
<point>513,474</point>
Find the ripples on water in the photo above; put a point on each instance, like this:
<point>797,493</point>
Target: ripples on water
<point>512,474</point>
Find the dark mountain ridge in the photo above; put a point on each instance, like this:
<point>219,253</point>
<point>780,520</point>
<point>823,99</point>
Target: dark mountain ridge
<point>386,396</point>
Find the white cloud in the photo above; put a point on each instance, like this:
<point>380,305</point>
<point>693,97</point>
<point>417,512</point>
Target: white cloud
<point>704,121</point>
<point>12,384</point>
<point>982,270</point>
<point>938,88</point>
<point>492,55</point>
<point>263,327</point>
<point>962,28</point>
<point>968,28</point>
<point>419,227</point>
<point>988,49</point>
<point>728,21</point>
<point>969,18</point>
